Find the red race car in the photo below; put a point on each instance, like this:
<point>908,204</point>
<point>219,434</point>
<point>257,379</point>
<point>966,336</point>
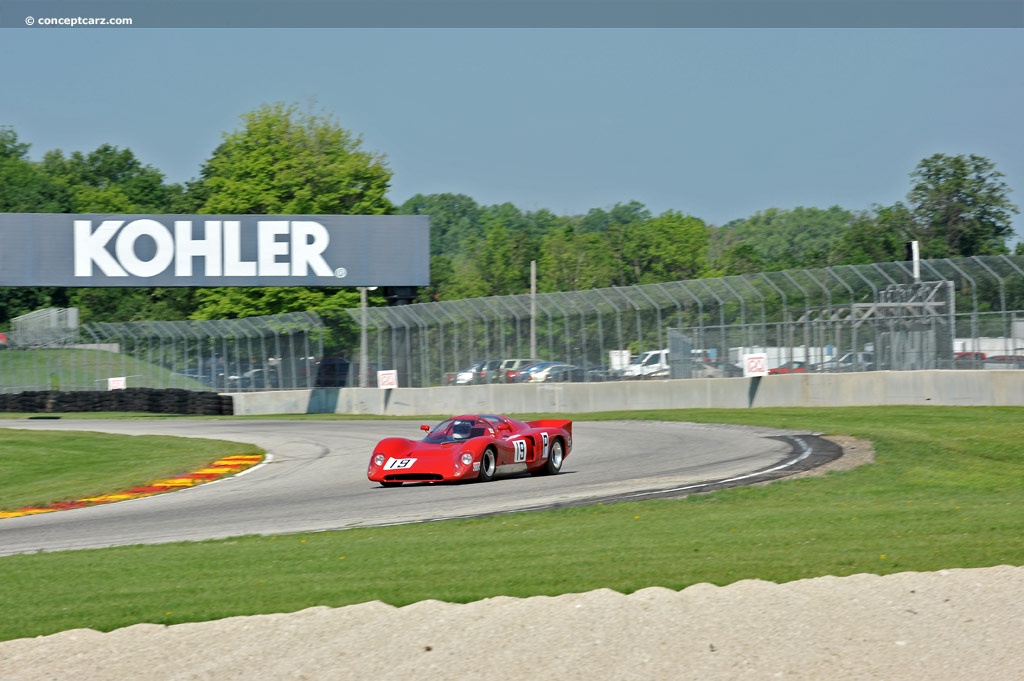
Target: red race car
<point>473,447</point>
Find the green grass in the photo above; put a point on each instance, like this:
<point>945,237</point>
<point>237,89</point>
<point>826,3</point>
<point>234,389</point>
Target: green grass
<point>42,467</point>
<point>945,491</point>
<point>83,369</point>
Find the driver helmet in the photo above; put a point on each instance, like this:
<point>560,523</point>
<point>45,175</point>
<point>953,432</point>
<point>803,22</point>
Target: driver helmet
<point>460,430</point>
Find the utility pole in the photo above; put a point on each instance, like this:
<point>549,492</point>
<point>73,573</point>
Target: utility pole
<point>533,308</point>
<point>363,351</point>
<point>914,256</point>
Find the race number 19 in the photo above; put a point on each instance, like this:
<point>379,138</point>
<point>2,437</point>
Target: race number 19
<point>520,453</point>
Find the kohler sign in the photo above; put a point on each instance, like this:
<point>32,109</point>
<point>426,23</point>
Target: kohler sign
<point>51,249</point>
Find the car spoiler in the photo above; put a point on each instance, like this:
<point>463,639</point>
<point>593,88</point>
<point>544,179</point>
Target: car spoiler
<point>565,424</point>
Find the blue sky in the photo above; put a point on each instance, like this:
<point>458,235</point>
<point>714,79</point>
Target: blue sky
<point>717,123</point>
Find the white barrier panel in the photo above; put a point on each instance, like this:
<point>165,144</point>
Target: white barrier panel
<point>953,388</point>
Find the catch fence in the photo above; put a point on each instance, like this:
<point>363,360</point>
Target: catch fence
<point>941,314</point>
<point>51,351</point>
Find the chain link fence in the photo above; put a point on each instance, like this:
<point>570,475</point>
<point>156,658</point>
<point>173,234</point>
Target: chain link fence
<point>51,351</point>
<point>945,314</point>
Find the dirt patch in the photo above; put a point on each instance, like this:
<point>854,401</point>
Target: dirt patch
<point>855,453</point>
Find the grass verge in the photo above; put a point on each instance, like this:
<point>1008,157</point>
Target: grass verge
<point>945,492</point>
<point>39,467</point>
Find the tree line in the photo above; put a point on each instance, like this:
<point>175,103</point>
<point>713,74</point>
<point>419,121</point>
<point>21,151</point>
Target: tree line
<point>283,159</point>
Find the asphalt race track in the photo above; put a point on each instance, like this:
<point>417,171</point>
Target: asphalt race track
<point>316,479</point>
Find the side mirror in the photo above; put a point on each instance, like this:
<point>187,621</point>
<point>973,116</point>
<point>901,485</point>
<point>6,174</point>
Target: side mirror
<point>425,428</point>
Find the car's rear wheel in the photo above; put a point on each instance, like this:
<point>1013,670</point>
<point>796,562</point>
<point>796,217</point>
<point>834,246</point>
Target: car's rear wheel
<point>555,458</point>
<point>488,465</point>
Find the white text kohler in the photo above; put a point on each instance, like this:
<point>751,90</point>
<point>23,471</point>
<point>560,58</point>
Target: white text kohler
<point>284,248</point>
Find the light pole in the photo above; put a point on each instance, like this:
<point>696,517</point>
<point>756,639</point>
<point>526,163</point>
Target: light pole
<point>533,308</point>
<point>363,353</point>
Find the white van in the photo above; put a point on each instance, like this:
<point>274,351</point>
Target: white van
<point>652,364</point>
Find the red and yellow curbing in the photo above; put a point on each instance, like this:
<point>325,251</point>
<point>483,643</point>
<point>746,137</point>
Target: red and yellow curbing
<point>229,465</point>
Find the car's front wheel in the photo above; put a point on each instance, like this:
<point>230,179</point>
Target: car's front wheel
<point>390,484</point>
<point>488,465</point>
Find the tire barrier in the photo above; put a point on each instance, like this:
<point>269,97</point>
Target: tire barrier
<point>148,400</point>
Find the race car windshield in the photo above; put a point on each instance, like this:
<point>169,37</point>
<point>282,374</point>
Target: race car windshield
<point>452,430</point>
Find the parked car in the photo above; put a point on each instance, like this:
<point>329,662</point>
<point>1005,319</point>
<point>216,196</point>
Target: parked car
<point>538,373</point>
<point>488,372</point>
<point>848,361</point>
<point>528,374</point>
<point>565,373</point>
<point>602,373</point>
<point>507,366</point>
<point>468,375</point>
<point>793,367</point>
<point>652,364</point>
<point>969,360</point>
<point>725,369</point>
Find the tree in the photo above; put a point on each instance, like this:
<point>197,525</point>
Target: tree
<point>284,161</point>
<point>113,180</point>
<point>454,219</point>
<point>621,215</point>
<point>788,239</point>
<point>572,260</point>
<point>18,300</point>
<point>496,267</point>
<point>616,227</point>
<point>330,303</point>
<point>241,301</point>
<point>24,187</point>
<point>670,247</point>
<point>874,238</point>
<point>740,258</point>
<point>108,180</point>
<point>133,304</point>
<point>455,223</point>
<point>498,262</point>
<point>959,206</point>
